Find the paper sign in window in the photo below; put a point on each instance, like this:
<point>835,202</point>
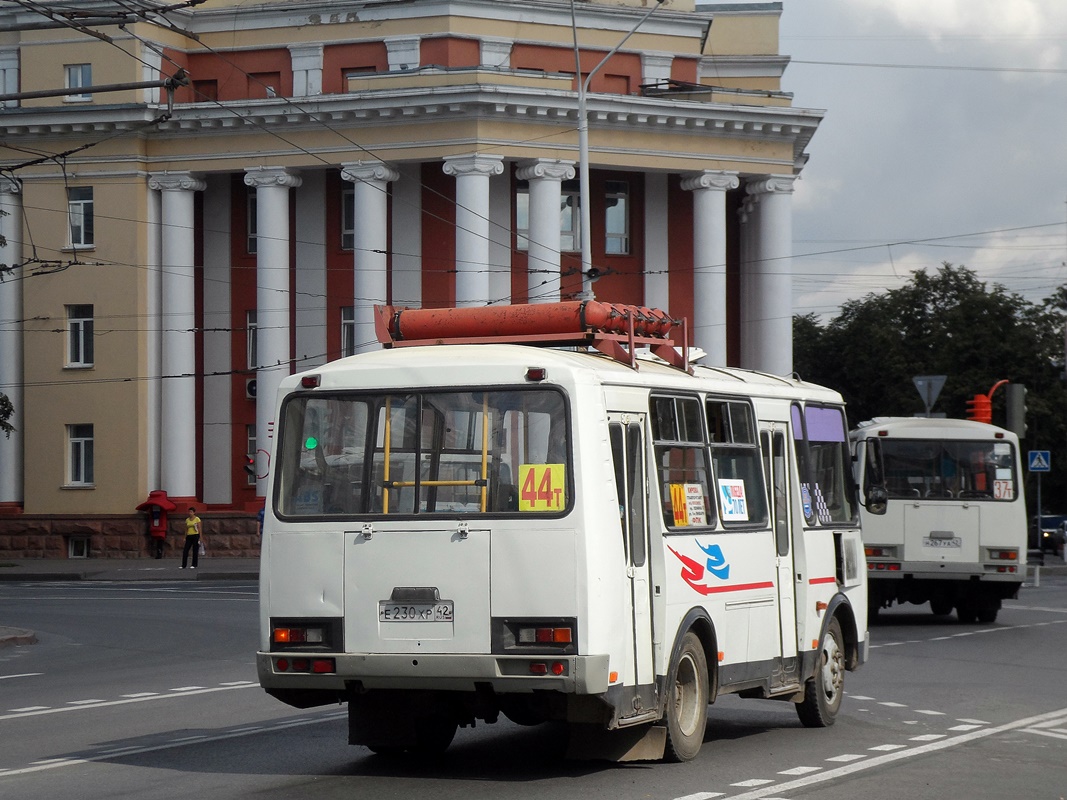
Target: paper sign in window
<point>732,501</point>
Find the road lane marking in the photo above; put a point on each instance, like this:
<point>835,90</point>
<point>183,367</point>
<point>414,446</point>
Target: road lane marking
<point>799,770</point>
<point>22,675</point>
<point>34,711</point>
<point>900,755</point>
<point>44,764</point>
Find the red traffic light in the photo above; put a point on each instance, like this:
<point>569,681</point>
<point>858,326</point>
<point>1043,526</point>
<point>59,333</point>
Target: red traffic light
<point>250,464</point>
<point>980,409</point>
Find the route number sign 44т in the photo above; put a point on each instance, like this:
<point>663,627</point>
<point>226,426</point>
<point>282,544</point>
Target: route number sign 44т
<point>541,487</point>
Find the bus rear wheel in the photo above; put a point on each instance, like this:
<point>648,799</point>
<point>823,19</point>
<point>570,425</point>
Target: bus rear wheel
<point>824,691</point>
<point>687,703</point>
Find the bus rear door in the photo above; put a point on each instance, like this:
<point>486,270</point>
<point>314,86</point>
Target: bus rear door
<point>626,433</point>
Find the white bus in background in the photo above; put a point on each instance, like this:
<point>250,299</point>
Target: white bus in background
<point>954,530</point>
<point>460,528</point>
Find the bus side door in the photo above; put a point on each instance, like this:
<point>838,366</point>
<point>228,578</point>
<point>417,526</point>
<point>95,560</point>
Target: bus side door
<point>626,434</point>
<point>776,466</point>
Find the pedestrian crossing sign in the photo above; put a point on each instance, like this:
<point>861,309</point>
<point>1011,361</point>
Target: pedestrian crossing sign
<point>1040,461</point>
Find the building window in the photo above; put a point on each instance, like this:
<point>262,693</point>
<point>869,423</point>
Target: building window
<point>348,219</point>
<point>251,330</point>
<point>250,449</point>
<point>80,215</point>
<point>253,223</point>
<point>78,76</point>
<point>617,218</point>
<point>80,336</point>
<point>569,217</point>
<point>80,439</point>
<point>348,331</point>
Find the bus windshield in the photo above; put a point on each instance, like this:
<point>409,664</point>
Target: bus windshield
<point>947,469</point>
<point>473,452</point>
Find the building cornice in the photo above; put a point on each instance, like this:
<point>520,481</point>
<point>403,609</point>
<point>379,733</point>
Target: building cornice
<point>406,106</point>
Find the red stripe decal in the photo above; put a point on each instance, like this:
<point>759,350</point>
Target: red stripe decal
<point>831,579</point>
<point>739,587</point>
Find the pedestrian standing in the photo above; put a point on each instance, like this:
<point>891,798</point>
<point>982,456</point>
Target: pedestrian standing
<point>192,538</point>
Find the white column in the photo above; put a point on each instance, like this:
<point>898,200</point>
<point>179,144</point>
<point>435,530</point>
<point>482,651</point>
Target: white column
<point>472,224</point>
<point>774,299</point>
<point>656,68</point>
<point>370,244</point>
<point>709,260</point>
<point>546,180</point>
<point>11,364</point>
<point>178,423</point>
<point>496,53</point>
<point>272,186</point>
<point>307,69</point>
<point>403,52</point>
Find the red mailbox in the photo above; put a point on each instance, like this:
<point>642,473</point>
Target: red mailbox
<point>158,505</point>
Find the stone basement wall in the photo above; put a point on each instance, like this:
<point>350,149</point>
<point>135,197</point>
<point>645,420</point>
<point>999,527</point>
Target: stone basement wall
<point>226,534</point>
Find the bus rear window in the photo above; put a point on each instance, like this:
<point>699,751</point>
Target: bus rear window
<point>473,452</point>
<point>947,469</point>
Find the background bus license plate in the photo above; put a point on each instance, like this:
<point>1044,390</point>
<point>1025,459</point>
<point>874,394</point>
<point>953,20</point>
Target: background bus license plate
<point>440,611</point>
<point>955,542</point>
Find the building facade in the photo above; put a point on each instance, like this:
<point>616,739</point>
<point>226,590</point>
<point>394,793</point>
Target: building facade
<point>172,251</point>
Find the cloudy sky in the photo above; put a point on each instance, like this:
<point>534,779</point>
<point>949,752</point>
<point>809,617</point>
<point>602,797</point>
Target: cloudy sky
<point>945,139</point>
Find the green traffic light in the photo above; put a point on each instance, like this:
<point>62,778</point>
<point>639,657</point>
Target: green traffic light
<point>311,443</point>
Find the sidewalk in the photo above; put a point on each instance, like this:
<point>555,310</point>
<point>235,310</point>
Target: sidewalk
<point>131,569</point>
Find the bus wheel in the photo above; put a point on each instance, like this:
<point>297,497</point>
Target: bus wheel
<point>966,611</point>
<point>823,693</point>
<point>687,703</point>
<point>986,610</point>
<point>433,735</point>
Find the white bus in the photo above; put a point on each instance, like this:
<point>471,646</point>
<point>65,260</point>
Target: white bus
<point>459,527</point>
<point>954,530</point>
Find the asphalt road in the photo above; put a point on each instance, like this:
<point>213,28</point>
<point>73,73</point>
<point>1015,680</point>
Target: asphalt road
<point>148,690</point>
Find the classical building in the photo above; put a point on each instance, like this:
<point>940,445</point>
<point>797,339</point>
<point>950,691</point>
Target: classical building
<point>201,202</point>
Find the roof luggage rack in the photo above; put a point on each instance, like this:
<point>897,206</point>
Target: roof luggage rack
<point>614,330</point>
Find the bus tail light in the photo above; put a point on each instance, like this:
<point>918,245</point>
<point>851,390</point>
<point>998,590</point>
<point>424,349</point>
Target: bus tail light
<point>318,666</point>
<point>550,636</point>
<point>556,668</point>
<point>309,635</point>
<point>545,635</point>
<point>1004,555</point>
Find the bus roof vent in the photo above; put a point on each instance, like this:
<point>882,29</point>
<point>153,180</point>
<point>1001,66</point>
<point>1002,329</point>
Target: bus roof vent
<point>613,329</point>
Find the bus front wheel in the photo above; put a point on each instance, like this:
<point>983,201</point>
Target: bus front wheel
<point>823,692</point>
<point>687,704</point>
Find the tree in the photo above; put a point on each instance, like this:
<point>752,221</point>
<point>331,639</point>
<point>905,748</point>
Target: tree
<point>945,323</point>
<point>6,410</point>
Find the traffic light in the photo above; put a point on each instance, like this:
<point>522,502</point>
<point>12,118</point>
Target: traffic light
<point>250,464</point>
<point>1016,402</point>
<point>980,409</point>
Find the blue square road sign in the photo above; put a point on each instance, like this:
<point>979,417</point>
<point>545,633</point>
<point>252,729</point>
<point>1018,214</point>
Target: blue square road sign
<point>1039,461</point>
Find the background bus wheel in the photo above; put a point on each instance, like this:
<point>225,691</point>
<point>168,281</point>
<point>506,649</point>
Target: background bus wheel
<point>687,703</point>
<point>823,693</point>
<point>941,607</point>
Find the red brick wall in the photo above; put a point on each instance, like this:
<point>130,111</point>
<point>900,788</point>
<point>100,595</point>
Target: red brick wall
<point>226,534</point>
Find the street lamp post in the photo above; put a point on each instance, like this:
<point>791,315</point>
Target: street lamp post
<point>583,144</point>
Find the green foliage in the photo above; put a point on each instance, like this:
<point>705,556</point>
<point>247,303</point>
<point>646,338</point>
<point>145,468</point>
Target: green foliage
<point>6,410</point>
<point>946,323</point>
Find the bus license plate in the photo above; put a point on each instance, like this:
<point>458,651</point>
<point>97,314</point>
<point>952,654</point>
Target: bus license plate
<point>954,542</point>
<point>390,611</point>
